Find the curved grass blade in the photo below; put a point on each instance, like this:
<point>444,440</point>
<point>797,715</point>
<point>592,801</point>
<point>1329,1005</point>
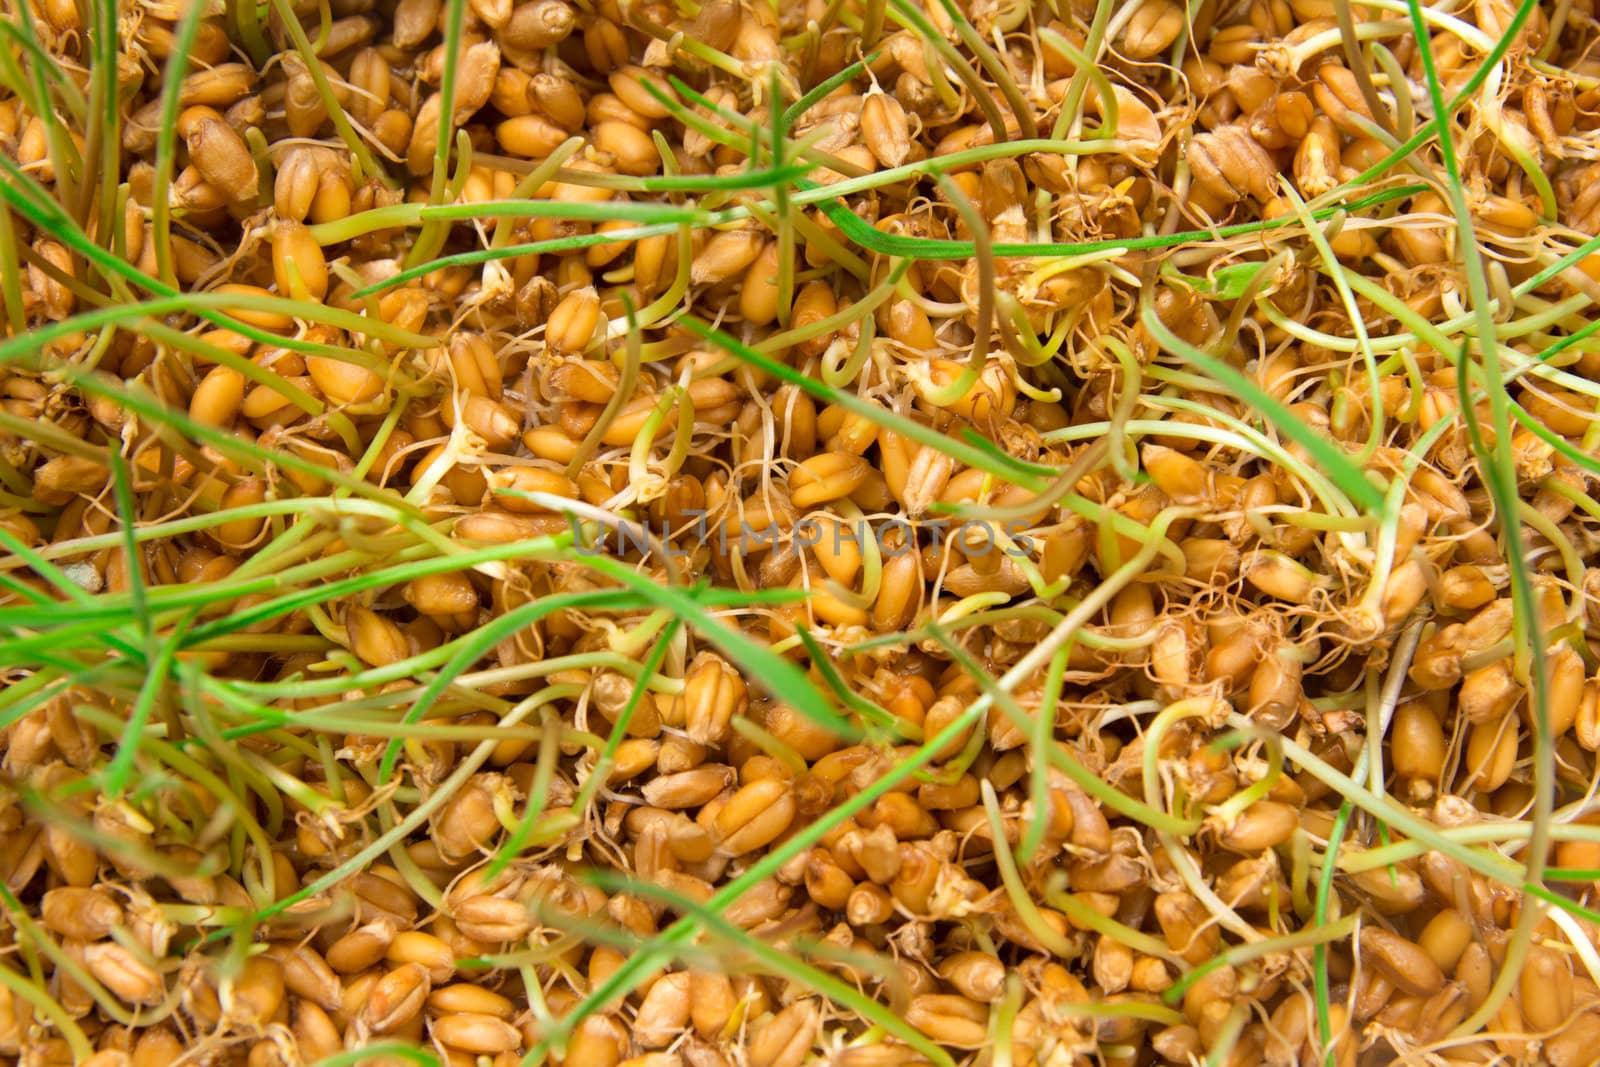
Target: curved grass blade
<point>1346,475</point>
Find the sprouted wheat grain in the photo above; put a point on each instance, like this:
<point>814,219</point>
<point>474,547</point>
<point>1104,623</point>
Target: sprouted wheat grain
<point>629,534</point>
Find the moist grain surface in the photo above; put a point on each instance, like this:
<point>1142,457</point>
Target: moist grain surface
<point>626,533</point>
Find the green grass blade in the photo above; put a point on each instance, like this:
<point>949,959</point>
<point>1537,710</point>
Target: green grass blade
<point>1329,456</point>
<point>990,458</point>
<point>778,675</point>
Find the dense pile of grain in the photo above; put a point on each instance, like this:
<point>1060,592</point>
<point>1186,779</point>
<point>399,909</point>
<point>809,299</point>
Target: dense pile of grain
<point>591,573</point>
